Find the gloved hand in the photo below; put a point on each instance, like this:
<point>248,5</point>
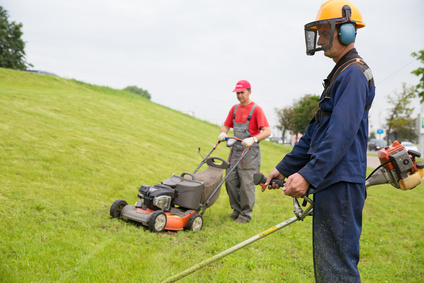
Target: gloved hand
<point>248,142</point>
<point>222,136</point>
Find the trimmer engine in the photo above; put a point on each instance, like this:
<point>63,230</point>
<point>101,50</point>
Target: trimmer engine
<point>398,167</point>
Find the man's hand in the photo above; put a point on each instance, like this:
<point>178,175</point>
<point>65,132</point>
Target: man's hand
<point>296,186</point>
<point>274,174</point>
<point>222,136</point>
<point>248,142</point>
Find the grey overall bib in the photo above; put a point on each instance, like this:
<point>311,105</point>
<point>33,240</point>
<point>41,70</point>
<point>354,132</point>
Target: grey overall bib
<point>239,183</point>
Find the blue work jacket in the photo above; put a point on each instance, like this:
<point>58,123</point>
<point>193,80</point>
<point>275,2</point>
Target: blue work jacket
<point>334,148</point>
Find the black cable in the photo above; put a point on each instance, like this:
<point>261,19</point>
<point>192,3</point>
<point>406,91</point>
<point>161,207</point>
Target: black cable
<point>375,170</point>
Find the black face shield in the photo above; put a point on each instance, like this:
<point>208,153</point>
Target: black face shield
<point>311,35</point>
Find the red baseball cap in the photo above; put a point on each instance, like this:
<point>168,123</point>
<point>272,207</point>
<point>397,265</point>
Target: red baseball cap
<point>241,85</point>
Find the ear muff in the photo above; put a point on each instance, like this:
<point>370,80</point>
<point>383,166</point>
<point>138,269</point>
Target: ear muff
<point>347,33</point>
<point>347,30</point>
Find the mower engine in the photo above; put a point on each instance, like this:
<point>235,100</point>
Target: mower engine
<point>398,167</point>
<point>156,197</point>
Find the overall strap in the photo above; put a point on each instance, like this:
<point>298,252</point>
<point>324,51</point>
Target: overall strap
<point>234,113</point>
<point>248,117</point>
<point>251,113</point>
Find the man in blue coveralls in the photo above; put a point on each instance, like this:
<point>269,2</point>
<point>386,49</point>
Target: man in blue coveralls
<point>330,159</point>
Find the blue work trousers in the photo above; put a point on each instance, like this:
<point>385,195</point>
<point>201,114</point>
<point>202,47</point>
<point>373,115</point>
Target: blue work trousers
<point>337,224</point>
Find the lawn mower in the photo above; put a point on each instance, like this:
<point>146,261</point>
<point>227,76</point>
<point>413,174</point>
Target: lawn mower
<point>180,201</point>
<point>398,167</point>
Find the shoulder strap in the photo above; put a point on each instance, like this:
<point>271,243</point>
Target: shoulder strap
<point>327,92</point>
<point>251,112</point>
<point>248,117</point>
<point>355,61</point>
<point>234,113</point>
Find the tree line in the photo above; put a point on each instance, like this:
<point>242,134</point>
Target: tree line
<point>296,117</point>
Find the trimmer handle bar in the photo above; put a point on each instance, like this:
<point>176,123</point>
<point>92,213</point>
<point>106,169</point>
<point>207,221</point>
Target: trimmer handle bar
<point>259,179</point>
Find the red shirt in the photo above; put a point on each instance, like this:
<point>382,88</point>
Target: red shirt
<point>258,118</point>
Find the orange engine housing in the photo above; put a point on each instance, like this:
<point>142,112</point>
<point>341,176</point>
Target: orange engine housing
<point>402,166</point>
<point>384,154</point>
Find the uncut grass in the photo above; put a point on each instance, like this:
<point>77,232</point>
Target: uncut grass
<point>69,149</point>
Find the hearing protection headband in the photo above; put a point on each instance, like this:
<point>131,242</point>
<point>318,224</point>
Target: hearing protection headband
<point>347,31</point>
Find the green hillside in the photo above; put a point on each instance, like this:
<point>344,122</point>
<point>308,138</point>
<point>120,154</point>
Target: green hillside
<point>69,149</point>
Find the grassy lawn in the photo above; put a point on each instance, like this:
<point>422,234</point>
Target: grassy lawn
<point>69,150</point>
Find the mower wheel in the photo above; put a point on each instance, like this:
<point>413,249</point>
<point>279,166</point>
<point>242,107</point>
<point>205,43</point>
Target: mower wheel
<point>116,208</point>
<point>157,221</point>
<point>195,223</point>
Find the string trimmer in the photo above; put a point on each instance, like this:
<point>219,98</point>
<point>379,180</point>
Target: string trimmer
<point>398,167</point>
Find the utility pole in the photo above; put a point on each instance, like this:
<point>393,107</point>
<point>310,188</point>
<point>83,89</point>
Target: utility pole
<point>420,130</point>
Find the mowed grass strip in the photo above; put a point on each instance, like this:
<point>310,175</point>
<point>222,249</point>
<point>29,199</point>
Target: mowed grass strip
<point>69,149</point>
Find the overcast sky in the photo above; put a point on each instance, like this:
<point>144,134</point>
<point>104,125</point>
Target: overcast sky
<point>189,54</point>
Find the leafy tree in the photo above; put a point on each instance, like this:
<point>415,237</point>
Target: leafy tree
<point>285,118</point>
<point>400,125</point>
<point>12,53</point>
<point>139,91</point>
<point>419,89</point>
<point>296,117</point>
<point>305,110</point>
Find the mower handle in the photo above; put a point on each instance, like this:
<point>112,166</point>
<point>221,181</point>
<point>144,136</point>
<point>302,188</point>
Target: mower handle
<point>211,161</point>
<point>232,140</point>
<point>207,156</point>
<point>206,203</point>
<point>188,173</point>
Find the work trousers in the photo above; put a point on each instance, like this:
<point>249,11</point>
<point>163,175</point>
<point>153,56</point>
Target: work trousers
<point>337,224</point>
<point>239,183</point>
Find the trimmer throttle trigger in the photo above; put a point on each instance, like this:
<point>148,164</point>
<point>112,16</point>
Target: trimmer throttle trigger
<point>260,179</point>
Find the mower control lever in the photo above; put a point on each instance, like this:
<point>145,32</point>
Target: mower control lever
<point>231,141</point>
<point>260,179</point>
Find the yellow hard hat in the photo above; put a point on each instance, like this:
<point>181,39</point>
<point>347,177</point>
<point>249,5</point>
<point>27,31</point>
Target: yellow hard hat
<point>333,9</point>
<point>340,14</point>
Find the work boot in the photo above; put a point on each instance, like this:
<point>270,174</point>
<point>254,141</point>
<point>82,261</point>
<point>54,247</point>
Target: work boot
<point>241,220</point>
<point>235,214</point>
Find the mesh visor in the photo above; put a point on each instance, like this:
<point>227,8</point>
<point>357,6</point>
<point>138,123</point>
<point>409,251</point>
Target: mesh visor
<point>312,36</point>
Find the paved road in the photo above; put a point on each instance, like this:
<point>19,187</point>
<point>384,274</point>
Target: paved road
<point>373,161</point>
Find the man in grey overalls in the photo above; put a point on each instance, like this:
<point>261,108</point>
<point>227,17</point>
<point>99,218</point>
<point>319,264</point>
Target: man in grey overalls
<point>250,125</point>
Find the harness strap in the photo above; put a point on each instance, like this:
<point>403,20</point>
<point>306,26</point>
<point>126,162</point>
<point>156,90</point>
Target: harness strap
<point>327,93</point>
